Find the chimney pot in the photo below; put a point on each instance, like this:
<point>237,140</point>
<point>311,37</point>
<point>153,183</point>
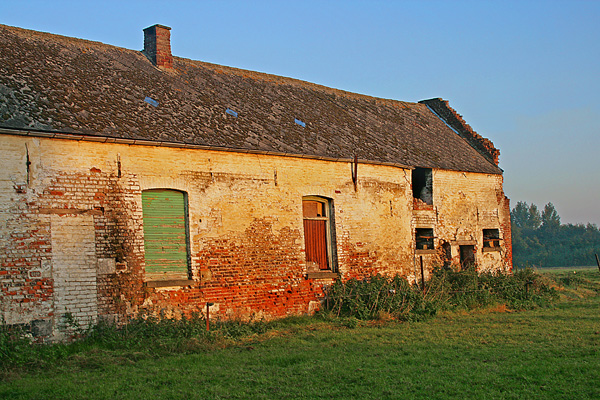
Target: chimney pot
<point>157,46</point>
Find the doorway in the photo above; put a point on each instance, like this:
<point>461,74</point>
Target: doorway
<point>467,256</point>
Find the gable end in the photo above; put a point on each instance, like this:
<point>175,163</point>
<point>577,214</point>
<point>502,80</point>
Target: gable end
<point>447,114</point>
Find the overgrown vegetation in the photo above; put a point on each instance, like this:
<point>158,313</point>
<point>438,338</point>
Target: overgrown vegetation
<point>548,352</point>
<point>141,337</point>
<point>539,238</point>
<point>377,297</point>
<point>380,297</point>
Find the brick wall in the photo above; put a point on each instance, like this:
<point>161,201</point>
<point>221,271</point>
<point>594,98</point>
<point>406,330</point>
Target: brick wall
<point>464,205</point>
<point>74,271</point>
<point>78,222</point>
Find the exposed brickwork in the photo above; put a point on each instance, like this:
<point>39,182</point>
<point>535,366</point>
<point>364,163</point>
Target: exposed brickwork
<point>357,260</point>
<point>26,284</point>
<point>505,227</point>
<point>120,237</point>
<point>258,274</point>
<point>77,228</point>
<point>39,274</point>
<point>260,250</point>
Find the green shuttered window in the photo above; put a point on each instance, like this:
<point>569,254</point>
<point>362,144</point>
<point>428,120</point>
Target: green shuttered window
<point>165,234</point>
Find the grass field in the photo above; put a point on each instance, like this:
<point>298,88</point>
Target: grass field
<point>546,353</point>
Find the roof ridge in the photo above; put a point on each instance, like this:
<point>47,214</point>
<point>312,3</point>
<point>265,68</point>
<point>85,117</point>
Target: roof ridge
<point>49,35</point>
<point>279,79</point>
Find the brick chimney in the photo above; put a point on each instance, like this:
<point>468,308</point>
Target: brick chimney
<point>157,46</point>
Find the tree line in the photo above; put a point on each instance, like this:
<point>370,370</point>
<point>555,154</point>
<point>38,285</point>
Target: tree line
<point>540,240</point>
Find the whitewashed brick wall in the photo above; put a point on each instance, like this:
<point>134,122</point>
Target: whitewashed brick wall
<point>74,271</point>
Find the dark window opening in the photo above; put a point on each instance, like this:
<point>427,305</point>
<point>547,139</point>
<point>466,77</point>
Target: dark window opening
<point>491,238</point>
<point>422,185</point>
<point>467,256</point>
<point>424,238</point>
<point>446,254</point>
<point>319,238</point>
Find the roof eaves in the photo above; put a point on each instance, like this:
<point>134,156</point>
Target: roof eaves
<point>99,139</point>
<point>124,141</point>
<point>139,142</point>
<point>147,143</point>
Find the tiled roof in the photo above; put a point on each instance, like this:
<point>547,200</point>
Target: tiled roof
<point>56,83</point>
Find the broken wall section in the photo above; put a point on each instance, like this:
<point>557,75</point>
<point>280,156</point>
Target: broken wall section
<point>465,205</point>
<point>26,284</point>
<point>483,145</point>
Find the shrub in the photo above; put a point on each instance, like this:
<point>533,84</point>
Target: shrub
<point>372,297</point>
<point>468,289</point>
<point>377,295</point>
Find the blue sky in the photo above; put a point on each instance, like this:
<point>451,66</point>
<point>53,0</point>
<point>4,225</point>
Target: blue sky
<point>525,74</point>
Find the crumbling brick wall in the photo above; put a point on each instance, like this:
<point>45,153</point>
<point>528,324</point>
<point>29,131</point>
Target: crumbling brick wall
<point>464,205</point>
<point>483,145</point>
<point>245,227</point>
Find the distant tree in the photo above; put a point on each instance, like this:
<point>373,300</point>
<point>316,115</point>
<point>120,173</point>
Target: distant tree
<point>535,218</point>
<point>519,214</point>
<point>526,216</point>
<point>550,218</point>
<point>541,240</point>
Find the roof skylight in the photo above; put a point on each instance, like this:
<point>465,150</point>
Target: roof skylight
<point>151,101</point>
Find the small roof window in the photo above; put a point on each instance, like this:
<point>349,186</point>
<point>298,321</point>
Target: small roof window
<point>151,101</point>
<point>299,122</point>
<point>231,112</point>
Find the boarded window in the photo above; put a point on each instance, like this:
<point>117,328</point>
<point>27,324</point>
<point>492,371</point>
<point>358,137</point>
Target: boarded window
<point>165,234</point>
<point>424,238</point>
<point>318,233</point>
<point>491,238</point>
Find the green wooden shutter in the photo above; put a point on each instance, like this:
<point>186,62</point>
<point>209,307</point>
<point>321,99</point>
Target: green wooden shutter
<point>165,240</point>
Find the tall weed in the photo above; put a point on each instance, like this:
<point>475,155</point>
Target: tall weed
<point>147,336</point>
<point>376,296</point>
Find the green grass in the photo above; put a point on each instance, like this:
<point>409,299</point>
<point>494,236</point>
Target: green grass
<point>545,353</point>
<point>566,269</point>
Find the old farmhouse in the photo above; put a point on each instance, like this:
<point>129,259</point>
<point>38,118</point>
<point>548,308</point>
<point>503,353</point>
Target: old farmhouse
<point>139,182</point>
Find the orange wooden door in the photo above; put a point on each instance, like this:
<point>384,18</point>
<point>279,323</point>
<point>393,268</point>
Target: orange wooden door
<point>315,237</point>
